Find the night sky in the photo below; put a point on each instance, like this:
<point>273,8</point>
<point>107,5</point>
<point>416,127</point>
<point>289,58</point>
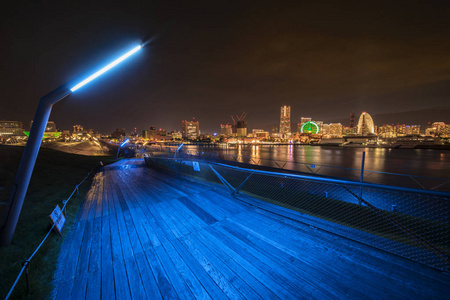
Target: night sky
<point>213,59</point>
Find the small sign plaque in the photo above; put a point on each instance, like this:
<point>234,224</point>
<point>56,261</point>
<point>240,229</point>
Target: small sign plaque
<point>57,217</point>
<point>196,166</point>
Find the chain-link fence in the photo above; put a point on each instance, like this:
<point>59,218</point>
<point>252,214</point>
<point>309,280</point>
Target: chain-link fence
<point>411,223</point>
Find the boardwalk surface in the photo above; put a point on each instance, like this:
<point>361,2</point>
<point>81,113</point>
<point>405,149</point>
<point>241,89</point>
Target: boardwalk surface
<point>144,235</point>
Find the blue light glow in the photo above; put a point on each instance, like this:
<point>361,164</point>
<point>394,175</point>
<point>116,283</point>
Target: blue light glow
<point>103,70</point>
<point>124,142</point>
<point>179,147</point>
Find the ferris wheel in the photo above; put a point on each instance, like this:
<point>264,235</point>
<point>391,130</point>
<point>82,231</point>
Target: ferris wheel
<point>310,127</point>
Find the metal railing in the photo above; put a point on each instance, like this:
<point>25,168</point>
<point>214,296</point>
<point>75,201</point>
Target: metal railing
<point>408,222</point>
<point>378,177</point>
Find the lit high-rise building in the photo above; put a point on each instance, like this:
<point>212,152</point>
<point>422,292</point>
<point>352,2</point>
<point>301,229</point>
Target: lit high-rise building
<point>413,129</point>
<point>190,129</point>
<point>285,120</point>
<point>336,129</point>
<point>304,120</point>
<point>365,124</point>
<point>226,129</point>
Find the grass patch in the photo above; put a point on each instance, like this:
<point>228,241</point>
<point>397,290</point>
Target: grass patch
<point>54,178</point>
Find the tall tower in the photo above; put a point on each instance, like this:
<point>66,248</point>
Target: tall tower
<point>365,124</point>
<point>285,120</point>
<point>352,120</point>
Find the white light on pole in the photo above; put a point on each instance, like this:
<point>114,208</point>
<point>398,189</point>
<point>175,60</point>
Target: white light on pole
<point>31,151</point>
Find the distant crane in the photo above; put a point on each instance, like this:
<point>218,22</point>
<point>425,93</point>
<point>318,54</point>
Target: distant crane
<point>240,126</point>
<point>240,118</point>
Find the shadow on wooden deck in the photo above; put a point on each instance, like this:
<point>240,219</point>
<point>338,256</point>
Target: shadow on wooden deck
<point>142,234</point>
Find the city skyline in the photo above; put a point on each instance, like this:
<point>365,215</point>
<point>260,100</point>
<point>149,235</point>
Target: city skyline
<point>211,60</point>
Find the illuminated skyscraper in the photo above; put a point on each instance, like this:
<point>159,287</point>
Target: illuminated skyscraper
<point>285,120</point>
<point>365,124</point>
<point>225,129</point>
<point>190,129</point>
<point>352,120</point>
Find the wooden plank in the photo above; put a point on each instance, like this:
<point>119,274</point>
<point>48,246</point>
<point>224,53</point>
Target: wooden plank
<point>64,289</point>
<point>121,286</point>
<point>72,258</point>
<point>135,282</point>
<point>117,254</point>
<point>96,246</point>
<point>225,268</point>
<point>222,254</point>
<point>314,286</point>
<point>150,285</point>
<point>137,217</point>
<point>79,287</point>
<point>261,261</point>
<point>164,284</point>
<point>193,218</point>
<point>336,278</point>
<point>221,280</point>
<point>177,230</point>
<point>177,282</point>
<point>107,285</point>
<point>249,263</point>
<point>178,217</point>
<point>106,252</point>
<point>94,288</point>
<point>127,251</point>
<point>85,251</point>
<point>191,281</point>
<point>211,287</point>
<point>201,213</point>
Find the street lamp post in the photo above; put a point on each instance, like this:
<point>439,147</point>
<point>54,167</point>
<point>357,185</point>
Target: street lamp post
<point>20,186</point>
<point>121,145</point>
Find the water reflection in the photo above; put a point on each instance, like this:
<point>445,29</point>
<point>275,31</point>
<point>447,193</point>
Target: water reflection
<point>421,162</point>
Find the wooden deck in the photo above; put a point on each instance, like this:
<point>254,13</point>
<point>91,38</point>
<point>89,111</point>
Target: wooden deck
<point>144,235</point>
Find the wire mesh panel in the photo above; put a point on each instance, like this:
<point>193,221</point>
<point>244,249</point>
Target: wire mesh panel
<point>410,223</point>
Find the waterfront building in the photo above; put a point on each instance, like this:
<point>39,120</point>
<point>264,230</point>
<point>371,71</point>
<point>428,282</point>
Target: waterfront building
<point>190,129</point>
<point>226,129</point>
<point>118,133</point>
<point>176,135</point>
<point>386,131</point>
<point>260,134</point>
<point>400,129</point>
<point>303,120</point>
<point>241,128</point>
<point>349,130</point>
<point>412,129</point>
<point>154,134</point>
<point>78,128</point>
<point>51,126</point>
<point>365,124</point>
<point>326,129</point>
<point>335,130</point>
<point>11,128</point>
<point>285,121</point>
<point>320,124</point>
<point>438,129</point>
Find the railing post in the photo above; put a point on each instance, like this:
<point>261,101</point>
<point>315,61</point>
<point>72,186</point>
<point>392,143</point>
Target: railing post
<point>362,176</point>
